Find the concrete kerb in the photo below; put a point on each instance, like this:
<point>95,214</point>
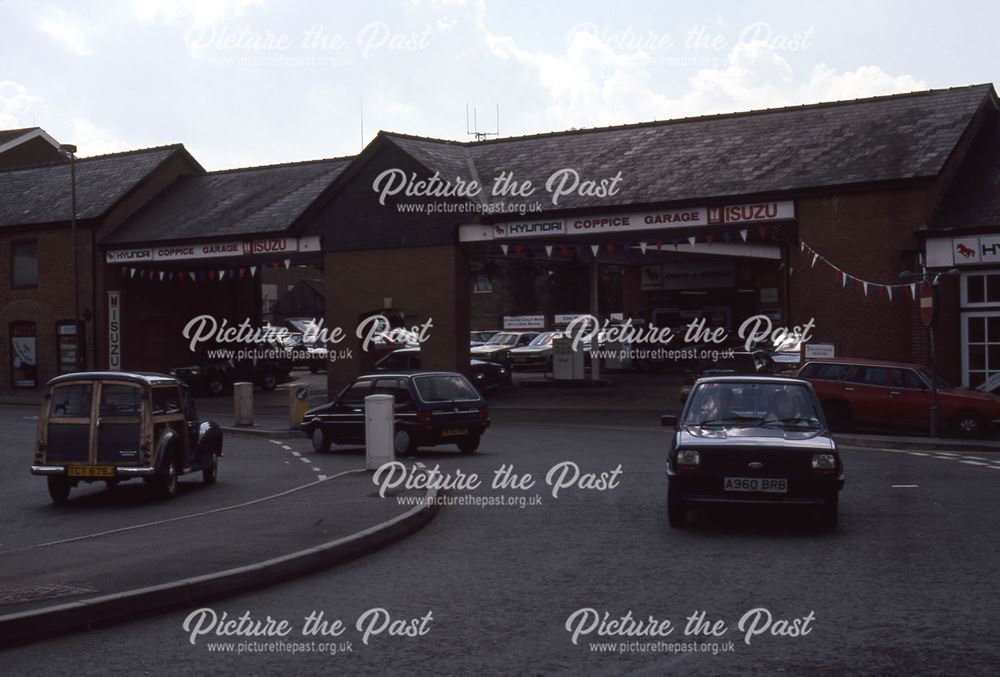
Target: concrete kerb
<point>87,614</point>
<point>261,432</point>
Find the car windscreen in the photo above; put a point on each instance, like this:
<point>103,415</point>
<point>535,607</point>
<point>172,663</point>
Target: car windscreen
<point>751,404</point>
<point>543,339</point>
<point>502,340</point>
<point>445,388</point>
<point>940,382</point>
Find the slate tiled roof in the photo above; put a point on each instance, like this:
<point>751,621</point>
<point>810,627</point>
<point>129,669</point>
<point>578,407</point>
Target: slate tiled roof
<point>41,193</point>
<point>232,202</point>
<point>11,134</point>
<point>866,140</point>
<point>973,199</point>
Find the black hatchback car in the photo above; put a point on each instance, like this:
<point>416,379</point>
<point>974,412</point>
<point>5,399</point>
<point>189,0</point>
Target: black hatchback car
<point>752,439</point>
<point>431,408</point>
<point>485,375</point>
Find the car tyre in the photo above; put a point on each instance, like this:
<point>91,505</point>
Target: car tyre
<point>677,510</point>
<point>829,515</point>
<point>216,386</point>
<point>404,443</point>
<point>839,416</point>
<point>469,445</point>
<point>59,488</point>
<point>166,480</point>
<point>969,424</point>
<point>320,441</point>
<point>269,380</point>
<point>210,474</point>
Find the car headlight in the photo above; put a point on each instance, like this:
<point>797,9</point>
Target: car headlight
<point>480,375</point>
<point>503,370</point>
<point>688,458</point>
<point>824,462</point>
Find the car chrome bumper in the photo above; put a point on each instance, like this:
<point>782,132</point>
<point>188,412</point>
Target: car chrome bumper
<point>120,471</point>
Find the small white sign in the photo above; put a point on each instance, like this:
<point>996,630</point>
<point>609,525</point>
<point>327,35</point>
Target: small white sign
<point>769,295</point>
<point>991,384</point>
<point>515,322</point>
<point>821,351</point>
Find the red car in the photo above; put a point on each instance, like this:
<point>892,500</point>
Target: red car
<point>854,390</point>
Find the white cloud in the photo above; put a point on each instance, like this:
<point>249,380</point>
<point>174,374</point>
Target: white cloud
<point>15,102</point>
<point>592,83</point>
<point>93,140</point>
<point>71,30</point>
<point>198,12</point>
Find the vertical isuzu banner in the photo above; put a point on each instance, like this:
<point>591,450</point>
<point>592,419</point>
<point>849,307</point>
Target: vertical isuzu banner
<point>114,331</point>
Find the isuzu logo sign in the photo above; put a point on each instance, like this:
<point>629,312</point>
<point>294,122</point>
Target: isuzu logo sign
<point>114,331</point>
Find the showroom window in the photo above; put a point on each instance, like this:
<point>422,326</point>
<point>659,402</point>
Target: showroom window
<point>482,285</point>
<point>980,289</point>
<point>24,263</point>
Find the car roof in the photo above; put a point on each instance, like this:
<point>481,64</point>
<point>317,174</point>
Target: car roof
<point>864,361</point>
<point>782,380</point>
<point>407,374</point>
<point>146,377</point>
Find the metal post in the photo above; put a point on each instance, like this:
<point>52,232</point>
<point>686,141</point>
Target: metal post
<point>932,361</point>
<point>76,271</point>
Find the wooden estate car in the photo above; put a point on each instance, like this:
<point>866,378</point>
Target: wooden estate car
<point>113,426</point>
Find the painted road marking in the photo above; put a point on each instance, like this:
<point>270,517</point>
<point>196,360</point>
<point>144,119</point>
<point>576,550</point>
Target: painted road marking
<point>975,463</point>
<point>295,453</point>
<point>278,442</point>
<point>905,486</point>
<point>917,453</point>
<point>286,447</point>
<point>315,469</point>
<point>304,460</point>
<point>322,478</point>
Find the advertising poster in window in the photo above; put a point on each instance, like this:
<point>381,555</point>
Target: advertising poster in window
<point>23,355</point>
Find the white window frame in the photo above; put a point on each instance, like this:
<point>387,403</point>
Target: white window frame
<point>964,288</point>
<point>965,339</point>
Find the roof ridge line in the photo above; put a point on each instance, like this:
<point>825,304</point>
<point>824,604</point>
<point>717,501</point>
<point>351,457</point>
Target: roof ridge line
<point>121,153</point>
<point>693,118</point>
<point>292,163</point>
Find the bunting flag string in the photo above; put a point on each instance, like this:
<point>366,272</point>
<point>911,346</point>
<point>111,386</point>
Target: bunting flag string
<point>877,290</point>
<point>219,274</point>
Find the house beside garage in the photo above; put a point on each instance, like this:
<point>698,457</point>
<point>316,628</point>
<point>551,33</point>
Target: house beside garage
<point>39,294</point>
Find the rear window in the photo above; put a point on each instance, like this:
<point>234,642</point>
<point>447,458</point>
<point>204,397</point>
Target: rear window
<point>445,388</point>
<point>120,400</point>
<point>829,372</point>
<point>72,401</point>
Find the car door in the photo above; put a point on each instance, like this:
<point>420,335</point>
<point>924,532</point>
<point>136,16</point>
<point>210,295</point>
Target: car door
<point>866,388</point>
<point>909,399</point>
<point>346,419</point>
<point>119,423</point>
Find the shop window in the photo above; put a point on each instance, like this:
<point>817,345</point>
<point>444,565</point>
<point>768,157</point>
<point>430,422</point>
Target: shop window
<point>24,263</point>
<point>23,355</point>
<point>981,289</point>
<point>981,349</point>
<point>69,346</point>
<point>482,285</point>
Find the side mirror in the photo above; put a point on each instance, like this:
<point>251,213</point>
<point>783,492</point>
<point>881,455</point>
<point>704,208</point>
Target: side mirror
<point>668,421</point>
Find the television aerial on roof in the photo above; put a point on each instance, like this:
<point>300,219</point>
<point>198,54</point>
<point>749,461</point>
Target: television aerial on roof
<point>474,131</point>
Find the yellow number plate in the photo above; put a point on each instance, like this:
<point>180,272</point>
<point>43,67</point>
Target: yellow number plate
<point>454,432</point>
<point>91,471</point>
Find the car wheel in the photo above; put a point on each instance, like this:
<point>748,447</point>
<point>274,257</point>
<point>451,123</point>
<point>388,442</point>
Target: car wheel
<point>166,480</point>
<point>839,416</point>
<point>320,442</point>
<point>469,444</point>
<point>969,424</point>
<point>404,443</point>
<point>829,515</point>
<point>210,474</point>
<point>269,381</point>
<point>59,489</point>
<point>216,387</point>
<point>676,511</point>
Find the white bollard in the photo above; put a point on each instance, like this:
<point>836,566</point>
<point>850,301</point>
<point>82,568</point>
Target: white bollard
<point>379,430</point>
<point>243,403</point>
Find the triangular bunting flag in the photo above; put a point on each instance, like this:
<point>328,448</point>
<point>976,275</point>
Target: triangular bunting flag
<point>288,263</point>
<point>124,271</point>
<point>518,247</point>
<point>170,276</point>
<point>815,256</point>
<point>627,248</point>
<point>131,272</point>
<point>161,276</point>
<point>548,250</point>
<point>743,234</point>
<point>243,271</point>
<point>593,249</point>
<point>889,291</point>
<point>610,248</point>
<point>913,291</point>
<point>211,275</point>
<point>709,238</point>
<point>504,248</point>
<point>762,230</point>
<point>791,270</point>
<point>642,248</point>
<point>659,245</point>
<point>725,236</point>
<point>802,246</point>
<point>564,249</point>
<point>691,240</point>
<point>843,279</point>
<point>152,274</point>
<point>253,270</point>
<point>222,274</point>
<point>193,276</point>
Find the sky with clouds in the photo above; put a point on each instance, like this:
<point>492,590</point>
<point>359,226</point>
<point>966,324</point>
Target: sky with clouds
<point>249,82</point>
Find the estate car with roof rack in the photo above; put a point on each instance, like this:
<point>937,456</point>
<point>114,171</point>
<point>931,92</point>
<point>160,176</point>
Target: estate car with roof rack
<point>115,426</point>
